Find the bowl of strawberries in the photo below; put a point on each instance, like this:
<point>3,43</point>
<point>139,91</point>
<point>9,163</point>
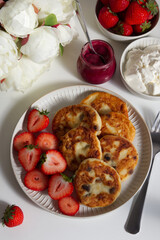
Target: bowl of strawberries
<point>126,20</point>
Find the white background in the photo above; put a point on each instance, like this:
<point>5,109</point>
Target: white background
<point>39,224</point>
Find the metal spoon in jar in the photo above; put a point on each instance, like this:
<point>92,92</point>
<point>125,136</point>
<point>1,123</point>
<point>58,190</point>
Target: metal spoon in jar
<point>81,19</point>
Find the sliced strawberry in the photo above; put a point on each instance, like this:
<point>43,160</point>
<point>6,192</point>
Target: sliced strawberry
<point>46,141</point>
<point>68,206</point>
<point>52,162</point>
<point>36,180</point>
<point>37,120</point>
<point>29,156</point>
<point>59,187</point>
<point>23,139</point>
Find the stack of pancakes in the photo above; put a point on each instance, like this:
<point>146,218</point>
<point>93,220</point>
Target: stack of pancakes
<point>96,138</point>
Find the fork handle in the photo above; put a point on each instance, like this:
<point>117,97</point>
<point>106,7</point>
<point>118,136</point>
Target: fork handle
<point>134,219</point>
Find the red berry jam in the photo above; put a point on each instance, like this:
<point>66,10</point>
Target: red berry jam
<point>92,67</point>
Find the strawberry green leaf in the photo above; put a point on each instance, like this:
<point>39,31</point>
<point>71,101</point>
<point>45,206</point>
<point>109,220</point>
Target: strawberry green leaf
<point>66,178</point>
<point>51,20</point>
<point>42,160</point>
<point>44,112</point>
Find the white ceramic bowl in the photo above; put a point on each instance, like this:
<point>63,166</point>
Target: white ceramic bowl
<point>109,34</point>
<point>139,43</point>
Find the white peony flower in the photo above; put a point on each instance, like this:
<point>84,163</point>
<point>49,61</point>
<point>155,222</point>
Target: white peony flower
<point>64,34</point>
<point>18,17</point>
<point>63,9</point>
<point>42,45</point>
<point>24,74</point>
<point>8,54</point>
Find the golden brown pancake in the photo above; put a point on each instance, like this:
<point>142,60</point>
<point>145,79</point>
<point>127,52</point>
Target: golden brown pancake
<point>104,103</point>
<point>119,153</point>
<point>73,116</point>
<point>116,123</point>
<point>97,184</point>
<point>78,144</point>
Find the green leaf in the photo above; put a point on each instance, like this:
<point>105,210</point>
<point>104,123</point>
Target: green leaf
<point>42,160</point>
<point>61,48</point>
<point>51,20</point>
<point>66,178</point>
<point>44,112</point>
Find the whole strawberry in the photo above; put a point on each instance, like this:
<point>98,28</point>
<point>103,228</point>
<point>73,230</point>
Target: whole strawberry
<point>123,28</point>
<point>118,5</point>
<point>13,216</point>
<point>136,14</point>
<point>141,28</point>
<point>152,8</point>
<point>107,18</point>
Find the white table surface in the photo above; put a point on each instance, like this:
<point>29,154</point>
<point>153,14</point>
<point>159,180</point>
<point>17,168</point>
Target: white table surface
<point>39,224</point>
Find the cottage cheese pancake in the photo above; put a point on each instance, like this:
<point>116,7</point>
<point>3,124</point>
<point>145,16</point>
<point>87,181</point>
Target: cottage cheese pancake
<point>119,153</point>
<point>73,116</point>
<point>104,103</point>
<point>78,144</point>
<point>115,123</point>
<point>97,184</point>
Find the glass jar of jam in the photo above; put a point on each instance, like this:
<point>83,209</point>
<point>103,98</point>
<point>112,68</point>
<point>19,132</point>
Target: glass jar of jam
<point>91,66</point>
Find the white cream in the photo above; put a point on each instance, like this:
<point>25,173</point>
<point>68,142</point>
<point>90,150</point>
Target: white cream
<point>42,45</point>
<point>142,70</point>
<point>18,17</point>
<point>8,54</point>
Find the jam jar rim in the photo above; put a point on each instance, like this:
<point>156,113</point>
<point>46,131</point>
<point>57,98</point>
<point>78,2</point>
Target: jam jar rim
<point>101,66</point>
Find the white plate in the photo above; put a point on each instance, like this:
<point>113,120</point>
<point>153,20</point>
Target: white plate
<point>140,43</point>
<point>72,95</point>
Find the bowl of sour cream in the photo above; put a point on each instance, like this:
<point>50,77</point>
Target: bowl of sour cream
<point>140,67</point>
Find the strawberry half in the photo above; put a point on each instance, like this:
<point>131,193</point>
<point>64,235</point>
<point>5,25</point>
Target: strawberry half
<point>59,187</point>
<point>37,120</point>
<point>46,141</point>
<point>52,162</point>
<point>29,156</point>
<point>68,206</point>
<point>23,139</point>
<point>36,180</point>
<point>13,216</point>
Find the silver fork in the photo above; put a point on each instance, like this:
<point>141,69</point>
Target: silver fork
<point>132,224</point>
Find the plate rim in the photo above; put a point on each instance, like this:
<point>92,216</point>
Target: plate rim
<point>88,88</point>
